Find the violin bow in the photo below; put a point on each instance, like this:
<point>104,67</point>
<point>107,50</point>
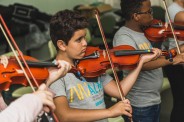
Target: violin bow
<point>172,29</point>
<point>108,54</point>
<point>122,95</point>
<point>21,55</point>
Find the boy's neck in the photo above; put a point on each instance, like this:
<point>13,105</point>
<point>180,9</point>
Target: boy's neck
<point>65,58</point>
<point>133,26</point>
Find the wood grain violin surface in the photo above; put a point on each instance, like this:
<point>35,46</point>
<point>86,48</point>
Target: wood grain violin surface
<point>13,74</point>
<point>160,31</point>
<point>96,60</point>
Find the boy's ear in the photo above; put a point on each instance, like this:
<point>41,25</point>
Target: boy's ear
<point>136,17</point>
<point>61,45</point>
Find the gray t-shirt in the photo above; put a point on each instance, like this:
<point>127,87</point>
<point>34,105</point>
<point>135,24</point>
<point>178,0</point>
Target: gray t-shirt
<point>82,94</point>
<point>146,90</point>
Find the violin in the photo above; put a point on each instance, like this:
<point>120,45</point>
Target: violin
<point>95,61</point>
<point>159,31</point>
<point>12,74</point>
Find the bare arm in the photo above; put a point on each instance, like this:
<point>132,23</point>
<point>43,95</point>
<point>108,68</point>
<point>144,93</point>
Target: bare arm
<point>181,48</point>
<point>179,17</point>
<point>160,62</point>
<point>65,113</point>
<point>126,84</point>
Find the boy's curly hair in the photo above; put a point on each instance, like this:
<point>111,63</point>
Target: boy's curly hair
<point>63,25</point>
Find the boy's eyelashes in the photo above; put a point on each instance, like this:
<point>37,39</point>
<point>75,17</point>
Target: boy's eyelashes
<point>80,39</point>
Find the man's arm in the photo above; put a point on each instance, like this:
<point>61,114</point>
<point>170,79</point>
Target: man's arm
<point>24,109</point>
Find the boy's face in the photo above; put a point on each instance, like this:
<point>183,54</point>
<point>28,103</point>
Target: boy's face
<point>145,14</point>
<point>77,45</point>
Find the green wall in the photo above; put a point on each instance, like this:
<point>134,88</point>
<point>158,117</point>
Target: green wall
<point>49,6</point>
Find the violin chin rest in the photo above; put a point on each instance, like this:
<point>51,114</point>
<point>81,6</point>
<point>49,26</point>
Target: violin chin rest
<point>21,91</point>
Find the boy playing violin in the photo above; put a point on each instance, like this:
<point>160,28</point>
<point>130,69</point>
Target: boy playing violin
<point>145,94</point>
<point>78,98</point>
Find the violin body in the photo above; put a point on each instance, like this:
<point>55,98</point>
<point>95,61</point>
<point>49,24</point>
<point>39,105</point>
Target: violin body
<point>13,74</point>
<point>96,61</point>
<point>160,31</point>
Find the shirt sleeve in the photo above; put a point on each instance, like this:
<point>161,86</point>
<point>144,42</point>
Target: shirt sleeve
<point>105,78</point>
<point>58,87</point>
<point>124,39</point>
<point>24,109</point>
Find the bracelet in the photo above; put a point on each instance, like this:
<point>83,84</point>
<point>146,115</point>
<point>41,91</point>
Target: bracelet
<point>169,57</point>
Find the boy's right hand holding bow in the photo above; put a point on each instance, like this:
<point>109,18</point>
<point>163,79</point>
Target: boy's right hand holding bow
<point>121,108</point>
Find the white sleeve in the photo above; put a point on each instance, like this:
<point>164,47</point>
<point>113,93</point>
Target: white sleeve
<point>24,109</point>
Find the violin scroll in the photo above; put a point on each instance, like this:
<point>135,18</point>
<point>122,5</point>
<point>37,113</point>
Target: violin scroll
<point>169,55</point>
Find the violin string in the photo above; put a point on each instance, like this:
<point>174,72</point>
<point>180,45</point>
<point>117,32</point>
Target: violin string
<point>172,29</point>
<point>16,56</point>
<point>19,52</point>
<point>109,57</point>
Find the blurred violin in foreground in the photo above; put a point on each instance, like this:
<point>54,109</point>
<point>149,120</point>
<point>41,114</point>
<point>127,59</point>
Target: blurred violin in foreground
<point>6,77</point>
<point>160,31</point>
<point>11,73</point>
